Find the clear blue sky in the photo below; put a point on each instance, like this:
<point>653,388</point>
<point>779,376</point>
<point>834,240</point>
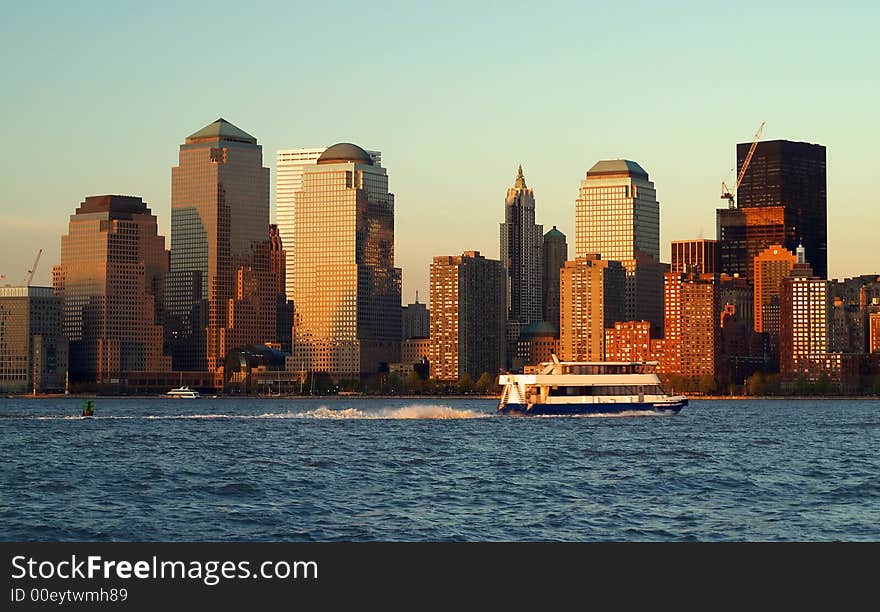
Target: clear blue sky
<point>97,97</point>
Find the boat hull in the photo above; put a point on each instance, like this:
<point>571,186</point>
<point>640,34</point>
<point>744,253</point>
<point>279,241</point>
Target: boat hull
<point>597,408</point>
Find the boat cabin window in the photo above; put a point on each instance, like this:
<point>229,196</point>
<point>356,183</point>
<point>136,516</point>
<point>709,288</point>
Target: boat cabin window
<point>597,390</point>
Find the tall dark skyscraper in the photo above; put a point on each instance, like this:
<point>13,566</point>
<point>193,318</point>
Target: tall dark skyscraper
<point>219,221</point>
<point>521,253</point>
<point>555,256</point>
<point>782,200</point>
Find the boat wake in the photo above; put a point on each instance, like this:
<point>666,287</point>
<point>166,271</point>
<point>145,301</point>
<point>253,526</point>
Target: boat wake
<point>412,411</point>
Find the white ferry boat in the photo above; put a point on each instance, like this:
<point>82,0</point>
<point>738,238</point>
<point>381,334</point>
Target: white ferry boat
<point>580,387</point>
<point>184,392</point>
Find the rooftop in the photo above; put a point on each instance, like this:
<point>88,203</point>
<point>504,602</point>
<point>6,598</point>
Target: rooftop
<point>617,166</point>
<point>345,152</point>
<point>221,130</point>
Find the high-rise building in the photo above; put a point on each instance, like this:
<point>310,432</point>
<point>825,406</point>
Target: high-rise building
<point>781,200</point>
<point>591,300</point>
<point>110,280</point>
<point>289,167</point>
<point>770,266</point>
<point>33,350</point>
<point>555,256</point>
<point>618,216</point>
<point>415,320</point>
<point>693,316</point>
<point>803,327</point>
<point>693,256</point>
<point>521,253</point>
<point>219,222</point>
<point>468,312</point>
<point>346,290</point>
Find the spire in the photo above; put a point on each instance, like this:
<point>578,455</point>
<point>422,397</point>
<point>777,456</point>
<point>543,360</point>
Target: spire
<point>801,254</point>
<point>417,296</point>
<point>520,179</point>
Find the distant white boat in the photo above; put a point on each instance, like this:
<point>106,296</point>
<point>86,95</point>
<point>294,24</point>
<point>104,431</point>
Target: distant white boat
<point>183,392</point>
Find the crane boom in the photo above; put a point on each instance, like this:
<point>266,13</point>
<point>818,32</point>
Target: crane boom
<point>725,192</point>
<point>30,275</point>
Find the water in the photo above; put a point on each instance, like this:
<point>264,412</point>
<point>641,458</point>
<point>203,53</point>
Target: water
<point>435,469</point>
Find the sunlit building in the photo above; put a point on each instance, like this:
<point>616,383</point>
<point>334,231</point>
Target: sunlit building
<point>803,328</point>
<point>468,313</point>
<point>346,290</point>
<point>289,167</point>
<point>110,280</point>
<point>629,341</point>
<point>591,291</point>
<point>692,311</point>
<point>770,266</point>
<point>617,215</point>
<point>693,256</point>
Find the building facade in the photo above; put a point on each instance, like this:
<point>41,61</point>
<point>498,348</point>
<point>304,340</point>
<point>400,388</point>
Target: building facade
<point>219,223</point>
<point>693,315</point>
<point>289,167</point>
<point>346,290</point>
<point>617,215</point>
<point>694,256</point>
<point>110,279</point>
<point>468,313</point>
<point>782,199</point>
<point>554,258</point>
<point>770,266</point>
<point>591,291</point>
<point>629,341</point>
<point>803,328</point>
<point>33,349</point>
<point>415,320</point>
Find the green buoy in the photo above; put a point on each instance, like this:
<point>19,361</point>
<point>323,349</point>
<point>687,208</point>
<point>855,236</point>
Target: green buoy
<point>88,408</point>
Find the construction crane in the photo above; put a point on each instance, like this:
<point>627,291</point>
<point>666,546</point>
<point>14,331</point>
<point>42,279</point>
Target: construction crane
<point>725,192</point>
<point>30,274</point>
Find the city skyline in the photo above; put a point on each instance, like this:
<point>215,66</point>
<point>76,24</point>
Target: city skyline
<point>685,133</point>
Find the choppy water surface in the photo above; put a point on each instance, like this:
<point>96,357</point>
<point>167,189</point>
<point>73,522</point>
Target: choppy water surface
<point>432,469</point>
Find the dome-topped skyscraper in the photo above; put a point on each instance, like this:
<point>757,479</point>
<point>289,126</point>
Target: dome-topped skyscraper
<point>346,290</point>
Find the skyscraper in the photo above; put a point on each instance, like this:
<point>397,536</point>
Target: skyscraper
<point>346,290</point>
<point>618,216</point>
<point>289,167</point>
<point>555,256</point>
<point>219,219</point>
<point>468,311</point>
<point>521,253</point>
<point>110,282</point>
<point>782,200</point>
<point>591,293</point>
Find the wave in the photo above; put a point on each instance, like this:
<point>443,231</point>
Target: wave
<point>413,411</point>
